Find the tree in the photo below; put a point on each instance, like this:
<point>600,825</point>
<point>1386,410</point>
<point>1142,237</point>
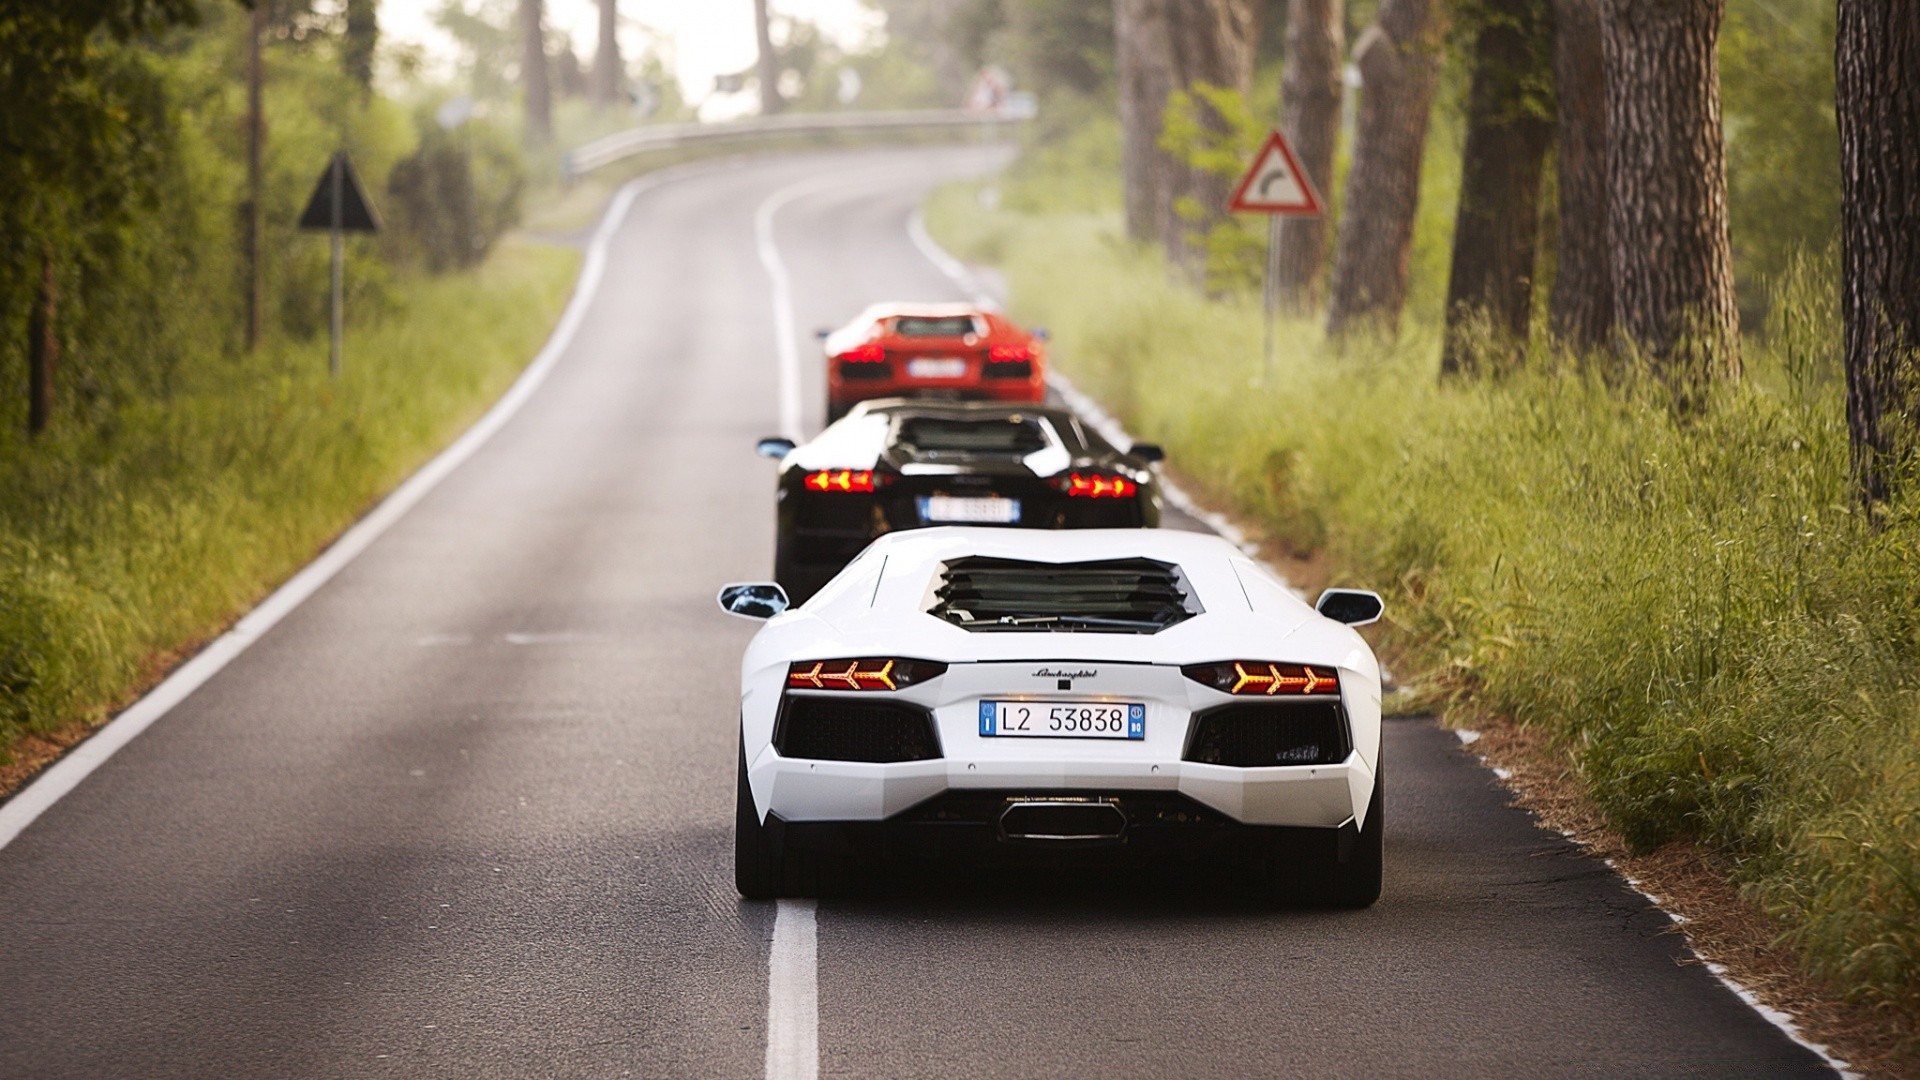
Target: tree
<point>360,40</point>
<point>1163,46</point>
<point>769,63</point>
<point>1399,59</point>
<point>1310,115</point>
<point>1877,101</point>
<point>1498,222</point>
<point>1672,268</point>
<point>71,150</point>
<point>533,73</point>
<point>1580,312</point>
<point>608,72</point>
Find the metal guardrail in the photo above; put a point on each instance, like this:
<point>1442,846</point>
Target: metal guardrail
<point>625,144</point>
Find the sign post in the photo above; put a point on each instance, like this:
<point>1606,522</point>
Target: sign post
<point>338,206</point>
<point>1277,186</point>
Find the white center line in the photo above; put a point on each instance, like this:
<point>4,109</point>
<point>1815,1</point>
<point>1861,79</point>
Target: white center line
<point>793,994</point>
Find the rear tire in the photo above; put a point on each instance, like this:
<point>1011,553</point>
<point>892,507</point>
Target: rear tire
<point>756,854</point>
<point>835,412</point>
<point>1308,870</point>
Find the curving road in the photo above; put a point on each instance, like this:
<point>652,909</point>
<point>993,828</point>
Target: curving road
<point>467,810</point>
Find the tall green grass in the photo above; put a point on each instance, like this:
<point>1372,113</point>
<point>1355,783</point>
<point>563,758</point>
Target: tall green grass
<point>124,540</point>
<point>1692,606</point>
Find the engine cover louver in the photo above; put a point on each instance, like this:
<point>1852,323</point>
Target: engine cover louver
<point>1116,596</point>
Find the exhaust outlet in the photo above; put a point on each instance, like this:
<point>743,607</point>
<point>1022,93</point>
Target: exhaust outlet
<point>1063,820</point>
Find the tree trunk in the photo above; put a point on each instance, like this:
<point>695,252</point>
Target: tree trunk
<point>1163,46</point>
<point>1310,116</point>
<point>1399,59</point>
<point>533,74</point>
<point>769,64</point>
<point>608,72</point>
<point>1877,92</point>
<point>1672,268</point>
<point>1497,226</point>
<point>251,241</point>
<point>43,346</point>
<point>361,40</point>
<point>1580,312</point>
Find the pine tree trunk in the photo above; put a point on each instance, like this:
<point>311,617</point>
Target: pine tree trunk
<point>1310,117</point>
<point>1497,227</point>
<point>769,65</point>
<point>1399,59</point>
<point>1580,312</point>
<point>361,40</point>
<point>1163,46</point>
<point>1877,93</point>
<point>1666,165</point>
<point>43,346</point>
<point>608,72</point>
<point>533,73</point>
<point>252,255</point>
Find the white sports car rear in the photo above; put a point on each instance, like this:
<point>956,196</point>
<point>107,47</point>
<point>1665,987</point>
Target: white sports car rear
<point>1109,693</point>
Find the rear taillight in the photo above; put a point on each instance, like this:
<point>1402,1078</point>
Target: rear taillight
<point>1010,354</point>
<point>1097,486</point>
<point>868,353</point>
<point>867,673</point>
<point>1261,678</point>
<point>840,480</point>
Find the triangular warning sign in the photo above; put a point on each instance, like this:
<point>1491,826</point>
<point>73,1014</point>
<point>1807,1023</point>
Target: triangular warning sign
<point>338,202</point>
<point>1275,183</point>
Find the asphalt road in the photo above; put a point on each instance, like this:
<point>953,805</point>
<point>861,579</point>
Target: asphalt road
<point>467,811</point>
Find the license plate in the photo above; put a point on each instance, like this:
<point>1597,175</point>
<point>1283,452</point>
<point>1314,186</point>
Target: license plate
<point>937,367</point>
<point>1064,719</point>
<point>989,511</point>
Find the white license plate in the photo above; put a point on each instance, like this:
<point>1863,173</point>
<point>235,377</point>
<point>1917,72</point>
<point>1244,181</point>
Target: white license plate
<point>1064,719</point>
<point>937,367</point>
<point>989,511</point>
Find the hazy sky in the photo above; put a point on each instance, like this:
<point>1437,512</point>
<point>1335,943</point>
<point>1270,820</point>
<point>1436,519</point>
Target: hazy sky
<point>708,37</point>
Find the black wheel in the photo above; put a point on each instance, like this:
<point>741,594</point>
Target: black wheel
<point>1355,883</point>
<point>756,855</point>
<point>1308,869</point>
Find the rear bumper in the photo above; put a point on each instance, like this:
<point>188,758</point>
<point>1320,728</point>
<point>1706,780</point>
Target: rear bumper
<point>1303,796</point>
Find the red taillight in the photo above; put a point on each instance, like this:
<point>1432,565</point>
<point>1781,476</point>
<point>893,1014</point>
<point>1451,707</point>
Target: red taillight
<point>1010,354</point>
<point>840,480</point>
<point>1265,679</point>
<point>867,353</point>
<point>1096,486</point>
<point>871,673</point>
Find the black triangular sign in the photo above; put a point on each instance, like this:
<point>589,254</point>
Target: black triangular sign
<point>352,215</point>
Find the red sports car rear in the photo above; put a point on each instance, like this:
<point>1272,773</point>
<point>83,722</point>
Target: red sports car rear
<point>951,351</point>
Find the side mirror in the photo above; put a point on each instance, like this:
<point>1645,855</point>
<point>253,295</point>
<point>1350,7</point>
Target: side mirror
<point>1039,333</point>
<point>1355,607</point>
<point>774,446</point>
<point>1148,452</point>
<point>754,599</point>
<point>823,333</point>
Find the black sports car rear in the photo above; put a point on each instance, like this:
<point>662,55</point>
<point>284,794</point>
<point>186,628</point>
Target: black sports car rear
<point>906,464</point>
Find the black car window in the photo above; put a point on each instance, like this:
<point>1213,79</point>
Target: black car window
<point>928,326</point>
<point>1017,435</point>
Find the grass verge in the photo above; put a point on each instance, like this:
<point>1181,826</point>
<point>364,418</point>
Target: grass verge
<point>126,543</point>
<point>1689,610</point>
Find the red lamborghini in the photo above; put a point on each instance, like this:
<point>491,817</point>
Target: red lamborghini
<point>951,351</point>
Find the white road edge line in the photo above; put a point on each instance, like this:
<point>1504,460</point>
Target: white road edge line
<point>793,993</point>
<point>785,331</point>
<point>66,774</point>
<point>1111,430</point>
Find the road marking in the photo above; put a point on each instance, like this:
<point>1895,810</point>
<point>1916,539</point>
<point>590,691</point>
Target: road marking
<point>785,330</point>
<point>66,774</point>
<point>793,994</point>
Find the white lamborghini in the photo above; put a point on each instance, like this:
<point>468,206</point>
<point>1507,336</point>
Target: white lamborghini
<point>1102,694</point>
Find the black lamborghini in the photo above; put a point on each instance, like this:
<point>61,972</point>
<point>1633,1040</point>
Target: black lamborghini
<point>897,464</point>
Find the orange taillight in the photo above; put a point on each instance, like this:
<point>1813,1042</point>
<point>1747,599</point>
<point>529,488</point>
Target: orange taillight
<point>868,352</point>
<point>1265,679</point>
<point>1096,486</point>
<point>868,673</point>
<point>840,480</point>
